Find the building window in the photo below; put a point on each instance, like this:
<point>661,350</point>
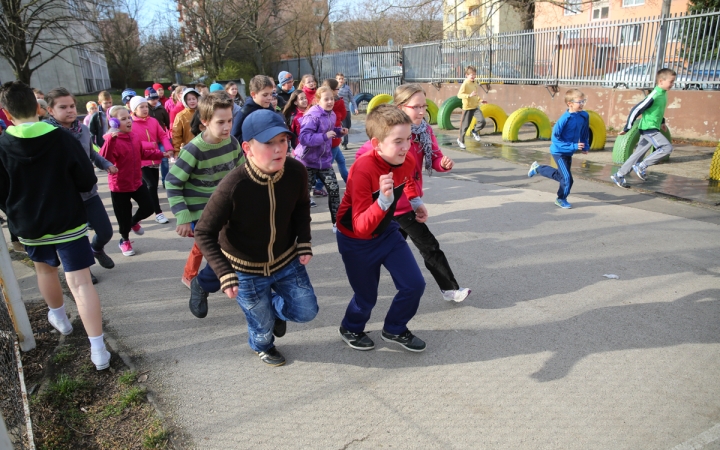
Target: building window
<point>633,3</point>
<point>474,11</point>
<point>631,34</point>
<point>601,10</point>
<point>572,7</point>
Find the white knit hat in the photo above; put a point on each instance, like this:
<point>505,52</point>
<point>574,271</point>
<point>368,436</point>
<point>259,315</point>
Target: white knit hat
<point>136,101</point>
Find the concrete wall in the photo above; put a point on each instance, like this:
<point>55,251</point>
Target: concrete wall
<point>61,71</point>
<point>689,114</point>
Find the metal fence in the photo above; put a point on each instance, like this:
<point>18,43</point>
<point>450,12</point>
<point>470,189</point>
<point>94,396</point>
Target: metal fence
<point>624,53</point>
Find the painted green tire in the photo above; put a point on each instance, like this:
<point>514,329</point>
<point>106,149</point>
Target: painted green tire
<point>380,99</point>
<point>598,134</point>
<point>445,112</point>
<point>625,144</point>
<point>523,116</point>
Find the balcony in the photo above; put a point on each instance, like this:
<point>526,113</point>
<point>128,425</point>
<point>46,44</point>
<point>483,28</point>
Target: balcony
<point>471,3</point>
<point>474,21</point>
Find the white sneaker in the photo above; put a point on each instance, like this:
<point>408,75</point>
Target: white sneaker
<point>63,325</point>
<point>335,229</point>
<point>460,144</point>
<point>101,358</point>
<point>160,218</point>
<point>476,136</point>
<point>456,295</point>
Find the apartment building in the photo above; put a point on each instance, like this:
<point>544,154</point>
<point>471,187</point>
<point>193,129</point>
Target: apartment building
<point>580,12</point>
<point>471,18</point>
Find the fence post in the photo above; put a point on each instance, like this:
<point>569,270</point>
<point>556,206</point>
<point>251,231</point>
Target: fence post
<point>662,37</point>
<point>13,299</point>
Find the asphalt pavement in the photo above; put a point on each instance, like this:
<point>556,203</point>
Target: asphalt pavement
<point>546,352</point>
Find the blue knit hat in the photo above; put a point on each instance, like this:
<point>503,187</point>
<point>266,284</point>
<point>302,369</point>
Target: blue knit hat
<point>216,87</point>
<point>126,95</point>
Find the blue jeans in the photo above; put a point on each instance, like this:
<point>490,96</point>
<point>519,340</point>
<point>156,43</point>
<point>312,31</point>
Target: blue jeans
<point>295,301</point>
<point>164,169</point>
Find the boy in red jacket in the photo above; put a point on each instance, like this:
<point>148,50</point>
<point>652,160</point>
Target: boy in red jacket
<point>368,237</point>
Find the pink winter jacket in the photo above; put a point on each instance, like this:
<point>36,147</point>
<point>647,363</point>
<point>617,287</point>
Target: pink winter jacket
<point>126,151</point>
<point>403,205</point>
<point>151,134</point>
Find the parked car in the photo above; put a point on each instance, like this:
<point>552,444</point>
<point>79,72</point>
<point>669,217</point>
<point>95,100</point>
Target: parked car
<point>635,76</point>
<point>444,71</point>
<point>392,71</point>
<point>706,71</point>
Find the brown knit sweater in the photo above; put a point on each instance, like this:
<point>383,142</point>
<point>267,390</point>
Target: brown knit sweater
<point>256,223</point>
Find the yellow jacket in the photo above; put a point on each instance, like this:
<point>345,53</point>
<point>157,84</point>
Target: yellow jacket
<point>466,89</point>
<point>181,133</point>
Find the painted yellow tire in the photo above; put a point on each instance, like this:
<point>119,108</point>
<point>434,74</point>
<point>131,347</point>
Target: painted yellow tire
<point>492,112</point>
<point>523,116</point>
<point>432,111</point>
<point>715,165</point>
<point>598,134</point>
<point>379,100</point>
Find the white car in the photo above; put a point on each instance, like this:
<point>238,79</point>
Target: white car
<point>635,76</point>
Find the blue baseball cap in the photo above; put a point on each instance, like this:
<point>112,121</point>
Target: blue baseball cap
<point>126,95</point>
<point>263,125</point>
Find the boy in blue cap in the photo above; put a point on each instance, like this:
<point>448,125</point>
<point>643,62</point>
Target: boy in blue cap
<point>267,250</point>
<point>126,96</point>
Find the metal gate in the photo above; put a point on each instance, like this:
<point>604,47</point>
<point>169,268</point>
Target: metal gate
<point>380,69</point>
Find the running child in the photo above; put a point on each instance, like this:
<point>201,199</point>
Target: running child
<point>126,151</point>
<point>470,102</point>
<point>570,134</point>
<point>368,237</point>
<point>261,90</point>
<point>153,137</point>
<point>308,84</point>
<point>410,98</point>
<point>91,108</point>
<point>181,129</point>
<point>232,90</point>
<point>294,110</point>
<point>43,171</point>
<point>317,129</point>
<point>158,112</point>
<point>255,234</point>
<point>99,121</point>
<point>652,109</point>
<point>346,94</point>
<point>285,88</point>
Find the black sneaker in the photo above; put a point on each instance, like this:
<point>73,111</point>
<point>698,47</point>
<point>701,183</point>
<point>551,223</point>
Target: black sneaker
<point>407,340</point>
<point>92,277</point>
<point>103,259</point>
<point>358,341</point>
<point>279,328</point>
<point>272,357</point>
<point>198,299</point>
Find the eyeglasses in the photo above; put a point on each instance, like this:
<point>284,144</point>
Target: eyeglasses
<point>419,108</point>
<point>581,102</point>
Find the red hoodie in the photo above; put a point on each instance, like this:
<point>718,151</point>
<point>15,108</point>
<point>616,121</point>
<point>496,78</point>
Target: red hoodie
<point>340,114</point>
<point>125,151</point>
<point>360,216</point>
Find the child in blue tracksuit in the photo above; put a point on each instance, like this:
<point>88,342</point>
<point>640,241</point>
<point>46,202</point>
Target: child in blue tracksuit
<point>570,134</point>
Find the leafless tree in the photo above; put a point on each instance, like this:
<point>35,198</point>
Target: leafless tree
<point>308,31</point>
<point>165,47</point>
<point>262,25</point>
<point>29,28</point>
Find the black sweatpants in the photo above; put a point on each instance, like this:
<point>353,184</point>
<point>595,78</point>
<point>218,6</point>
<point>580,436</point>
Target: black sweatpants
<point>150,176</point>
<point>429,247</point>
<point>467,117</point>
<point>122,205</point>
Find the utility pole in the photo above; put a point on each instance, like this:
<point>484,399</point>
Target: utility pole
<point>662,37</point>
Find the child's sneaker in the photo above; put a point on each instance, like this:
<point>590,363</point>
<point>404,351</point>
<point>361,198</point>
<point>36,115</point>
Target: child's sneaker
<point>103,259</point>
<point>101,358</point>
<point>456,295</point>
<point>640,172</point>
<point>334,229</point>
<point>561,202</point>
<point>61,324</point>
<point>320,192</point>
<point>358,341</point>
<point>160,218</point>
<point>198,299</point>
<point>137,229</point>
<point>126,248</point>
<point>272,357</point>
<point>406,340</point>
<point>619,180</point>
<point>312,203</point>
<point>460,143</point>
<point>475,135</point>
<point>533,169</point>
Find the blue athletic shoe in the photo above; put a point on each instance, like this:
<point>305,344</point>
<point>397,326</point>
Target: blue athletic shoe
<point>619,180</point>
<point>533,169</point>
<point>563,203</point>
<point>640,172</point>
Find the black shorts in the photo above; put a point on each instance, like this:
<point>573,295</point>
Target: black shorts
<point>74,255</point>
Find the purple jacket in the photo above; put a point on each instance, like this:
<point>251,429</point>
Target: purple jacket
<point>314,148</point>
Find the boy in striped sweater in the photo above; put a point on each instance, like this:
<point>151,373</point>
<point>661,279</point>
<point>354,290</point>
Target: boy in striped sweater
<point>202,163</point>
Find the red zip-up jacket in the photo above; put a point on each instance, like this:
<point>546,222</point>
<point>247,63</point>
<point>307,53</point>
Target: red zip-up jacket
<point>340,114</point>
<point>360,216</point>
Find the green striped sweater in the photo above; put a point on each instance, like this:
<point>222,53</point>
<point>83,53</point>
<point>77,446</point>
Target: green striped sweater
<point>197,172</point>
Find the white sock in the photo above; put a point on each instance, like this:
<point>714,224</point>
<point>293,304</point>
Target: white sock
<point>59,313</point>
<point>97,343</point>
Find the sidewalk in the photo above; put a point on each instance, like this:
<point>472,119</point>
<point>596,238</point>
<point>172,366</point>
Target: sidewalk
<point>685,177</point>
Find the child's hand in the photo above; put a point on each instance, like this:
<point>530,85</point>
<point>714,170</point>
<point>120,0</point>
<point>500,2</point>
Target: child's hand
<point>585,152</point>
<point>231,292</point>
<point>446,163</point>
<point>330,134</point>
<point>184,230</point>
<point>622,132</point>
<point>473,94</point>
<point>304,259</point>
<point>483,102</point>
<point>112,169</point>
<point>581,146</point>
<point>663,127</point>
<point>169,154</point>
<point>386,185</point>
<point>344,131</point>
<point>421,214</point>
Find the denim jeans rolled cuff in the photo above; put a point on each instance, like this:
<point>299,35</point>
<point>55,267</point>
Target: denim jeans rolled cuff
<point>294,300</point>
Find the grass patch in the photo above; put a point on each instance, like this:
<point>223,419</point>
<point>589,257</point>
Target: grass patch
<point>64,354</point>
<point>133,396</point>
<point>127,378</point>
<point>156,436</point>
<point>65,387</point>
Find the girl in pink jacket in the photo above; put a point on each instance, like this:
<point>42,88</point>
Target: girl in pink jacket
<point>152,136</point>
<point>126,152</point>
<point>410,98</point>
